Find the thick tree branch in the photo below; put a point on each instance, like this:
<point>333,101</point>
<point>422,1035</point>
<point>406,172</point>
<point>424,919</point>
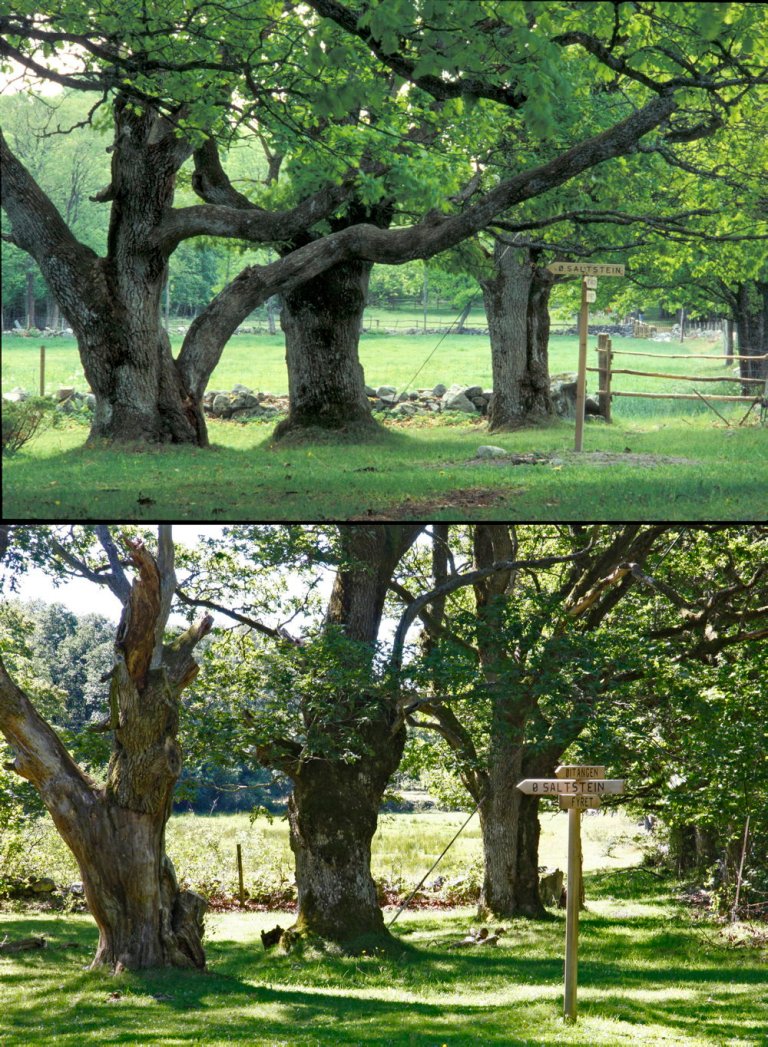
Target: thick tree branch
<point>37,227</point>
<point>434,625</point>
<point>40,756</point>
<point>117,580</point>
<point>214,326</point>
<point>437,86</point>
<point>458,581</point>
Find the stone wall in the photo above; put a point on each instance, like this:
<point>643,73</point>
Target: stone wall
<point>241,402</point>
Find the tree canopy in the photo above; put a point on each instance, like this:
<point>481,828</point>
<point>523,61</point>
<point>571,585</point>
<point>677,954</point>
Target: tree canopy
<point>450,114</point>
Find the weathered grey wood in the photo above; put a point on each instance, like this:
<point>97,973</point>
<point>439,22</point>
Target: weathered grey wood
<point>681,396</point>
<point>681,377</point>
<point>572,914</point>
<point>581,378</point>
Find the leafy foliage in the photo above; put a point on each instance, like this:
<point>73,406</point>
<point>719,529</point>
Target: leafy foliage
<point>22,419</point>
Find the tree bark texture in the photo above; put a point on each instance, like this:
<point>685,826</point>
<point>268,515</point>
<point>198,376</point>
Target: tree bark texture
<point>117,831</point>
<point>321,320</point>
<point>113,303</point>
<point>333,809</point>
<point>752,328</point>
<point>516,301</point>
<point>333,815</point>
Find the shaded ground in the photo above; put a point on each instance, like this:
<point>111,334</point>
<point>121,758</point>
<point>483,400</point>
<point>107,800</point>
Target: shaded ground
<point>648,974</point>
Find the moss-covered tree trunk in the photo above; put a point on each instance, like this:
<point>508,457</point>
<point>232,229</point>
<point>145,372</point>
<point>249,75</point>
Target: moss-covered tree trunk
<point>333,809</point>
<point>333,814</point>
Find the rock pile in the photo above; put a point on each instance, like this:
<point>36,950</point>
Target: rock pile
<point>241,402</point>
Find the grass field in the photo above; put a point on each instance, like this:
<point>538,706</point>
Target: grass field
<point>648,974</point>
<point>414,469</point>
<point>258,361</point>
<point>404,848</point>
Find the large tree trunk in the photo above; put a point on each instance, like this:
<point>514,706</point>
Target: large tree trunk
<point>125,350</point>
<point>144,920</point>
<point>752,328</point>
<point>333,809</point>
<point>140,396</point>
<point>113,303</point>
<point>117,831</point>
<point>510,829</point>
<point>333,814</point>
<point>321,320</point>
<point>516,305</point>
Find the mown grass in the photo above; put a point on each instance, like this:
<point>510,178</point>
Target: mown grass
<point>648,974</point>
<point>412,469</point>
<point>409,471</point>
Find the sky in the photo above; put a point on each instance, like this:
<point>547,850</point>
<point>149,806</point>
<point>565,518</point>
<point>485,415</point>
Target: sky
<point>82,597</point>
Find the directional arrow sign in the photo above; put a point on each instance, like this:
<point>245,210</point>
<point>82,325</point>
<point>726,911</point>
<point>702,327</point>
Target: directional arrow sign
<point>586,269</point>
<point>547,786</point>
<point>581,803</point>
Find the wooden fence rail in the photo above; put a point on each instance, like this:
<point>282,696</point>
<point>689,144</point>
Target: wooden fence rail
<point>605,371</point>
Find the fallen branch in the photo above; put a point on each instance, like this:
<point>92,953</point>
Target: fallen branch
<point>709,405</point>
<point>22,944</point>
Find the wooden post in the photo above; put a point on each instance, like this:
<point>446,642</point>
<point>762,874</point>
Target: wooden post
<point>581,379</point>
<point>42,370</point>
<point>240,874</point>
<point>572,913</point>
<point>604,358</point>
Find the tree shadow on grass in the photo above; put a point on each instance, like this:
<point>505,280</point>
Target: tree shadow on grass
<point>631,971</point>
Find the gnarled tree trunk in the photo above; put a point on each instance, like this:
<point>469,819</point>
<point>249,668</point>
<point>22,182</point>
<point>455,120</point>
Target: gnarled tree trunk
<point>333,809</point>
<point>117,831</point>
<point>516,301</point>
<point>113,303</point>
<point>333,813</point>
<point>321,320</point>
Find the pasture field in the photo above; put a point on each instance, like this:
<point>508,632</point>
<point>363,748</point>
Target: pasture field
<point>662,459</point>
<point>649,973</point>
<point>258,361</point>
<point>406,844</point>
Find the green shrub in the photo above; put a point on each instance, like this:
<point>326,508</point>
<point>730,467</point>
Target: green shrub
<point>22,419</point>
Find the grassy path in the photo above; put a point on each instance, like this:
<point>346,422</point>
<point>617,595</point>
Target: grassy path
<point>649,974</point>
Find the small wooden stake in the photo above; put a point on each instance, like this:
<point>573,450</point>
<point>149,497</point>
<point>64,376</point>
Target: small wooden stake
<point>42,370</point>
<point>240,874</point>
<point>572,914</point>
<point>581,379</point>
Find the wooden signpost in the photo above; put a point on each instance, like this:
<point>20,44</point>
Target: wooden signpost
<point>589,271</point>
<point>578,787</point>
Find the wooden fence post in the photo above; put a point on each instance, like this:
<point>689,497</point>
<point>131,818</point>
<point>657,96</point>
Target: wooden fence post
<point>604,357</point>
<point>240,874</point>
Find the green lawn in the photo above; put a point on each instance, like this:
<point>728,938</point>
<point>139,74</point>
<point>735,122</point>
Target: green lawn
<point>414,469</point>
<point>648,974</point>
